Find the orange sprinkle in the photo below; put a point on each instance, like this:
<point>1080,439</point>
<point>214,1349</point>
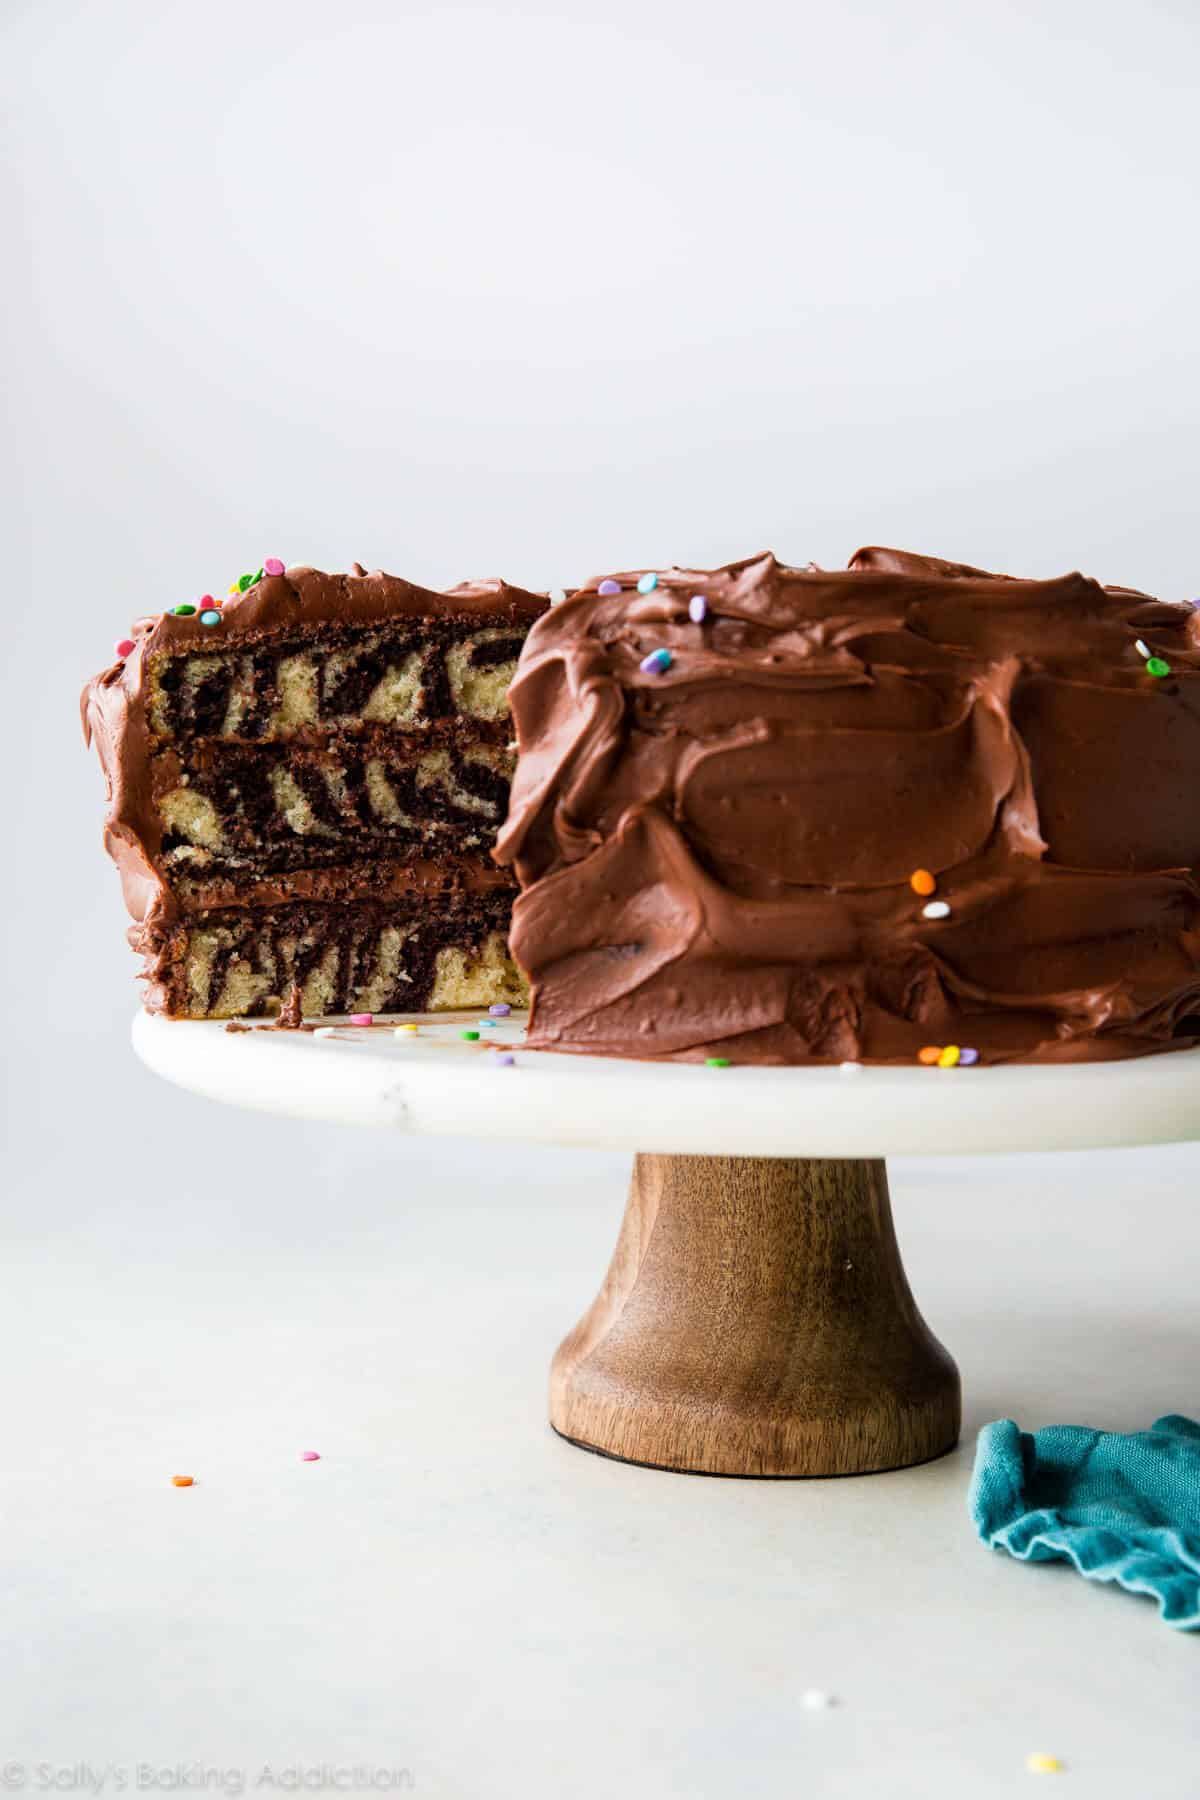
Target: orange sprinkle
<point>922,882</point>
<point>930,1054</point>
<point>182,1480</point>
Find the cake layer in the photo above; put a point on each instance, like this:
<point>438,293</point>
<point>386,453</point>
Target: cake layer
<point>787,815</point>
<point>353,956</point>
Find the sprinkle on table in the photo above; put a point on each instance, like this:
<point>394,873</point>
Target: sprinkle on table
<point>930,1055</point>
<point>609,587</point>
<point>500,1009</point>
<point>697,609</point>
<point>967,1057</point>
<point>184,611</point>
<point>362,1018</point>
<point>272,566</point>
<point>657,663</point>
<point>183,1481</point>
<point>1158,666</point>
<point>648,583</point>
<point>936,909</point>
<point>310,1456</point>
<point>816,1700</point>
<point>716,1062</point>
<point>921,881</point>
<point>406,1031</point>
<point>1038,1763</point>
<point>124,646</point>
<point>504,1059</point>
<point>471,1036</point>
<point>949,1057</point>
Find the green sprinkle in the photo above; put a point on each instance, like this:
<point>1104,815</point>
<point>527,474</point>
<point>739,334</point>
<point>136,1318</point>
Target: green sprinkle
<point>183,612</point>
<point>255,579</point>
<point>716,1062</point>
<point>244,581</point>
<point>1156,666</point>
<point>472,1035</point>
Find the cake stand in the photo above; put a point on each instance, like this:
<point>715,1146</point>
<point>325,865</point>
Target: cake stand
<point>755,1319</point>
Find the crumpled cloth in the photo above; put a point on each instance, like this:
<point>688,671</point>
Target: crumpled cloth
<point>1122,1507</point>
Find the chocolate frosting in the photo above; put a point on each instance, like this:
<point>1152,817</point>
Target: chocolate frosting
<point>716,859</point>
<point>116,716</point>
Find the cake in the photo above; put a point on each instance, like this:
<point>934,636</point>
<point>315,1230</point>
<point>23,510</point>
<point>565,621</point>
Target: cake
<point>904,811</point>
<point>304,787</point>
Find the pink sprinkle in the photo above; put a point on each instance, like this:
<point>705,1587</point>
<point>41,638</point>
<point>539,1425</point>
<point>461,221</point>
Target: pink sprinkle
<point>609,587</point>
<point>124,646</point>
<point>310,1456</point>
<point>362,1018</point>
<point>272,566</point>
<point>207,600</point>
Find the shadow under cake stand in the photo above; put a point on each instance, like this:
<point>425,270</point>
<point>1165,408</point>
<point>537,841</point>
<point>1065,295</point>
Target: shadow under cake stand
<point>755,1319</point>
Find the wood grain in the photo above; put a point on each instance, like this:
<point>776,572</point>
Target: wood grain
<point>756,1320</point>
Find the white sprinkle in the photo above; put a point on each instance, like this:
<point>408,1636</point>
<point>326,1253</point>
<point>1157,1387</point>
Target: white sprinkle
<point>816,1701</point>
<point>512,744</point>
<point>850,1068</point>
<point>556,596</point>
<point>937,909</point>
<point>325,1031</point>
<point>1142,648</point>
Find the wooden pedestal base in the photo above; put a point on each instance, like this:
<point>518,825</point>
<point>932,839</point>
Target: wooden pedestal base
<point>756,1320</point>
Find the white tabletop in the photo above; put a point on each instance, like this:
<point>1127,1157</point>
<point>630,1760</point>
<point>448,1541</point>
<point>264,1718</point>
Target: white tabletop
<point>434,1080</point>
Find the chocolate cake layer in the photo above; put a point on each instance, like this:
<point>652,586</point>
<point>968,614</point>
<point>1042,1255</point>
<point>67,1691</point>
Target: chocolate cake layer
<point>794,815</point>
<point>335,743</point>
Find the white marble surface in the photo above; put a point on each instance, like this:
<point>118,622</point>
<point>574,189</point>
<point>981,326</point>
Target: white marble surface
<point>453,1590</point>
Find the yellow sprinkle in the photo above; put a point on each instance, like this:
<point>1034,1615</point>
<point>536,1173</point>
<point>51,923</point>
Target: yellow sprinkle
<point>949,1056</point>
<point>405,1030</point>
<point>1041,1764</point>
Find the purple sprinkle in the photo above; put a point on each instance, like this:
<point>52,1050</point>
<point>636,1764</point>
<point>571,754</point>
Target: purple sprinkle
<point>967,1057</point>
<point>657,663</point>
<point>500,1010</point>
<point>504,1061</point>
<point>609,587</point>
<point>697,609</point>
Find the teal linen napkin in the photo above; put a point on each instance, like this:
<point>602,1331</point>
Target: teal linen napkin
<point>1122,1507</point>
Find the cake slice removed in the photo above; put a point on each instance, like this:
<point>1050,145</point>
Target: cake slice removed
<point>304,787</point>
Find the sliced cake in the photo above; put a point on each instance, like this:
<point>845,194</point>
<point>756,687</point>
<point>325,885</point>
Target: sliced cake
<point>305,783</point>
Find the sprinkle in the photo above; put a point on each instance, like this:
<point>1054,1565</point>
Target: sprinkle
<point>1142,648</point>
<point>609,587</point>
<point>471,1036</point>
<point>648,583</point>
<point>183,1480</point>
<point>556,596</point>
<point>310,1456</point>
<point>716,1062</point>
<point>272,566</point>
<point>124,646</point>
<point>697,609</point>
<point>1041,1764</point>
<point>850,1068</point>
<point>931,1054</point>
<point>325,1031</point>
<point>936,909</point>
<point>500,1009</point>
<point>362,1018</point>
<point>816,1701</point>
<point>1158,667</point>
<point>210,616</point>
<point>234,587</point>
<point>207,600</point>
<point>922,882</point>
<point>657,663</point>
<point>185,611</point>
<point>949,1057</point>
<point>505,1061</point>
<point>968,1057</point>
<point>405,1031</point>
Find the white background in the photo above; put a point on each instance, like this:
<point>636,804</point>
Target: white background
<point>466,291</point>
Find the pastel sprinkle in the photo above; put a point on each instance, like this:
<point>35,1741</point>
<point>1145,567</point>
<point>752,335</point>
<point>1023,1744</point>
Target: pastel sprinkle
<point>362,1018</point>
<point>936,909</point>
<point>406,1031</point>
<point>185,611</point>
<point>556,596</point>
<point>930,1055</point>
<point>949,1057</point>
<point>1142,648</point>
<point>471,1036</point>
<point>716,1062</point>
<point>1041,1764</point>
<point>272,566</point>
<point>648,583</point>
<point>124,646</point>
<point>310,1456</point>
<point>507,1061</point>
<point>210,616</point>
<point>697,609</point>
<point>183,1481</point>
<point>968,1057</point>
<point>814,1700</point>
<point>609,587</point>
<point>850,1068</point>
<point>922,882</point>
<point>500,1009</point>
<point>325,1031</point>
<point>657,663</point>
<point>1158,667</point>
